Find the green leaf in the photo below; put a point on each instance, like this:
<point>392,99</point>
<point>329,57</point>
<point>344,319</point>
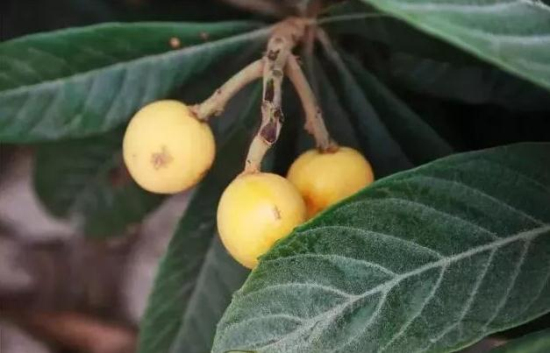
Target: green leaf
<point>85,180</point>
<point>538,342</point>
<point>428,260</point>
<point>379,146</point>
<point>512,34</point>
<point>473,84</point>
<point>196,11</point>
<point>195,283</point>
<point>392,136</point>
<point>420,141</point>
<point>220,276</point>
<point>365,24</point>
<point>336,118</point>
<point>427,64</point>
<point>77,82</point>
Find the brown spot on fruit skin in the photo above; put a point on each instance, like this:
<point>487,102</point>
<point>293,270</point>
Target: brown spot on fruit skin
<point>161,159</point>
<point>276,213</point>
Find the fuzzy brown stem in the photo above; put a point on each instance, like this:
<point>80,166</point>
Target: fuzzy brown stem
<point>279,48</point>
<point>216,103</point>
<point>315,124</point>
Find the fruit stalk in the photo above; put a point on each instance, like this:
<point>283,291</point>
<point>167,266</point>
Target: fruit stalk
<point>279,48</point>
<point>315,124</point>
<point>216,103</point>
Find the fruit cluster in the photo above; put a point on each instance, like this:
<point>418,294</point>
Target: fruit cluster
<point>167,150</point>
<point>169,147</point>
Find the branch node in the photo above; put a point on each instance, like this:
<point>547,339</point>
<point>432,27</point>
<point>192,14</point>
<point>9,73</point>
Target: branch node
<point>284,37</point>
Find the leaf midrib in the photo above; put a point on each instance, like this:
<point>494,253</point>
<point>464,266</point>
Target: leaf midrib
<point>198,283</point>
<point>112,24</point>
<point>459,42</point>
<point>499,6</point>
<point>166,55</point>
<point>528,236</point>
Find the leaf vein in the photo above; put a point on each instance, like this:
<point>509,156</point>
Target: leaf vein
<point>446,214</point>
<point>459,8</point>
<point>411,319</point>
<point>485,195</point>
<point>468,303</point>
<point>373,265</point>
<point>517,270</point>
<point>411,244</point>
<point>386,287</point>
<point>150,58</point>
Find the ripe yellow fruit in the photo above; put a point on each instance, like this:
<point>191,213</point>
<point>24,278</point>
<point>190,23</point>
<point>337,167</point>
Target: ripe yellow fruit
<point>254,212</point>
<point>166,149</point>
<point>324,178</point>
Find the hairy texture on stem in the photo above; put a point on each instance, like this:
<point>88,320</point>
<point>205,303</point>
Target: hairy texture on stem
<point>279,48</point>
<point>315,124</point>
<point>216,103</point>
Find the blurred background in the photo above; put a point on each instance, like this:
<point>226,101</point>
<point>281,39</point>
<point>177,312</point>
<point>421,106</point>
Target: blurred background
<point>61,292</point>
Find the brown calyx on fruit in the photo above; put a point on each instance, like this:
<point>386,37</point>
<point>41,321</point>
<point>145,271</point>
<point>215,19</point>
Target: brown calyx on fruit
<point>161,159</point>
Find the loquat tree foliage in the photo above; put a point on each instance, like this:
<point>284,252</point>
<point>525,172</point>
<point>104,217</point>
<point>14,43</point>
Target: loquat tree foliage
<point>381,166</point>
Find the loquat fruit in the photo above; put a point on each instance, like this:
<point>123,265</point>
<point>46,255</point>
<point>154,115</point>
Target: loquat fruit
<point>166,149</point>
<point>255,211</point>
<point>324,178</point>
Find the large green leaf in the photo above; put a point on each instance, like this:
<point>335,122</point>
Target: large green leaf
<point>20,17</point>
<point>367,25</point>
<point>85,181</point>
<point>76,82</point>
<point>419,140</point>
<point>538,342</point>
<point>220,276</point>
<point>337,120</point>
<point>392,136</point>
<point>512,34</point>
<point>473,84</point>
<point>427,64</point>
<point>376,141</point>
<point>195,284</point>
<point>428,260</point>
